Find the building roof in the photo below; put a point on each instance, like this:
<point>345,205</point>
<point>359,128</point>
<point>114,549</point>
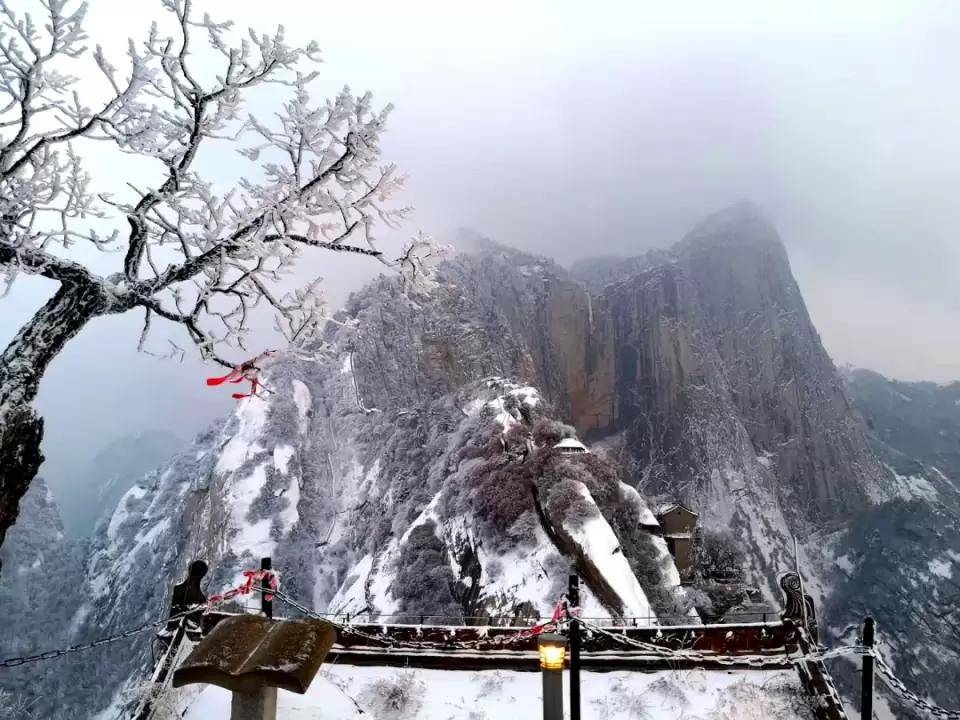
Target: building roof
<point>669,507</point>
<point>571,444</point>
<point>750,612</point>
<point>342,690</point>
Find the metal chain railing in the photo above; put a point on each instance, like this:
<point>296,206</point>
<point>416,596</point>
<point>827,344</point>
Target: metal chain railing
<point>501,641</point>
<point>898,686</point>
<point>248,586</point>
<point>51,654</point>
<point>560,619</point>
<point>650,648</point>
<point>687,654</point>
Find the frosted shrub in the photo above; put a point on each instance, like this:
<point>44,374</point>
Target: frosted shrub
<point>163,700</point>
<point>486,444</point>
<point>397,697</point>
<point>774,700</point>
<point>549,432</point>
<point>524,530</point>
<point>500,491</point>
<point>14,707</point>
<point>671,690</point>
<point>565,500</point>
<point>490,683</point>
<point>717,573</point>
<point>424,581</point>
<point>718,556</point>
<point>620,701</point>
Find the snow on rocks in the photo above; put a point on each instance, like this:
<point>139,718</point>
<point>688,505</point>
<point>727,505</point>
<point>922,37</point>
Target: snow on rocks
<point>251,417</point>
<point>518,577</point>
<point>121,513</point>
<point>601,548</point>
<point>249,537</point>
<point>282,454</point>
<point>944,567</point>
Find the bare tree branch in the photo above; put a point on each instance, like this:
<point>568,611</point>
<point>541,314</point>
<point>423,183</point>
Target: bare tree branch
<point>194,255</point>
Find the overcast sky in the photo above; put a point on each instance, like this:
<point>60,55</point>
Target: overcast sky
<point>575,129</point>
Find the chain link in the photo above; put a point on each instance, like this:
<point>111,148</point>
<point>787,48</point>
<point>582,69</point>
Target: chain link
<point>51,654</point>
<point>720,658</point>
<point>501,641</point>
<point>897,685</point>
<point>650,648</point>
<point>246,587</point>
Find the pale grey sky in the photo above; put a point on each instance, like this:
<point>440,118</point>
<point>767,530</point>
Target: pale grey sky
<point>573,129</point>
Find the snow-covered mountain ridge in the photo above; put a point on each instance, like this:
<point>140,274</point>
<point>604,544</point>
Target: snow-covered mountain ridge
<point>406,466</point>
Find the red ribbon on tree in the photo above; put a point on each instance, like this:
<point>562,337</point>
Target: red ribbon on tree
<point>247,371</point>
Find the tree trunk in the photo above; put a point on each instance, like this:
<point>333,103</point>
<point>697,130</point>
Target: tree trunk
<point>22,365</point>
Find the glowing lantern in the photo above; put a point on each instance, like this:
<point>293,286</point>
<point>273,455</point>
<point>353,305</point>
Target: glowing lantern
<point>553,650</point>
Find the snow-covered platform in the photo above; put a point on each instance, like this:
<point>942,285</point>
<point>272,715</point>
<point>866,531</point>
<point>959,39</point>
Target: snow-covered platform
<point>342,692</point>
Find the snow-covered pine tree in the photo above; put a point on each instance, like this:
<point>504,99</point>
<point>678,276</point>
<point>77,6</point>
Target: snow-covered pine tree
<point>193,254</point>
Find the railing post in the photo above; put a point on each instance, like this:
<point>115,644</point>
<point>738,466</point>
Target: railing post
<point>573,601</point>
<point>866,677</point>
<point>266,605</point>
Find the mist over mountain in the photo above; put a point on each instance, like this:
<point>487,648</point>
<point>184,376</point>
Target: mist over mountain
<point>96,486</point>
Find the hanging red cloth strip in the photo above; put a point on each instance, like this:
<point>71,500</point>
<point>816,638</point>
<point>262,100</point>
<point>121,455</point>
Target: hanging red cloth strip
<point>250,577</point>
<point>249,371</point>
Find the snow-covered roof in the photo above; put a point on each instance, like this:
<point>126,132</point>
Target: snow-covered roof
<point>667,507</point>
<point>571,445</point>
<point>339,692</point>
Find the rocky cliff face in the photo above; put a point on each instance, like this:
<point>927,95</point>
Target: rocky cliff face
<point>718,326</point>
<point>907,548</point>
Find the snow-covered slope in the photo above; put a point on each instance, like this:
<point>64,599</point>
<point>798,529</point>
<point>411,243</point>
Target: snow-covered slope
<point>343,693</point>
<point>95,487</point>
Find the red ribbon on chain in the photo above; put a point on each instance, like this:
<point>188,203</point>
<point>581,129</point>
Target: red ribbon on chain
<point>251,576</point>
<point>560,613</point>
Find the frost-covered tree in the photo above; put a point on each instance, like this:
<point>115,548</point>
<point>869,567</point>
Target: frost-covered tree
<point>189,252</point>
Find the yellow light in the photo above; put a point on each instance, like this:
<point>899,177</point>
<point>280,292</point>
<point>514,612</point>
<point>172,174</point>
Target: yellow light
<point>553,650</point>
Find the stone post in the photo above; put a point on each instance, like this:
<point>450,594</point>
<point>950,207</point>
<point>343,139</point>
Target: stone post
<point>256,705</point>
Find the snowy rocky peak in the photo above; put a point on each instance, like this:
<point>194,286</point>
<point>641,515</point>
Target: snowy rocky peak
<point>717,327</point>
<point>509,520</point>
<point>38,533</point>
<point>740,225</point>
<point>407,467</point>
